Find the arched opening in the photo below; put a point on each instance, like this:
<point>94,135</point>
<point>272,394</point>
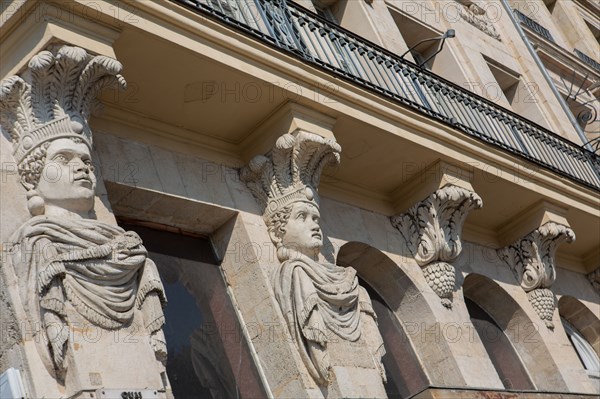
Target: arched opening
<point>583,330</point>
<point>392,293</point>
<point>520,335</point>
<point>403,372</point>
<point>507,363</point>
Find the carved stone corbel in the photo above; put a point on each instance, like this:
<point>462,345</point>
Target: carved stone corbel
<point>327,312</point>
<point>531,258</point>
<point>432,230</point>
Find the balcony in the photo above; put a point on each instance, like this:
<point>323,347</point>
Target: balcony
<point>588,60</point>
<point>302,34</point>
<point>534,26</point>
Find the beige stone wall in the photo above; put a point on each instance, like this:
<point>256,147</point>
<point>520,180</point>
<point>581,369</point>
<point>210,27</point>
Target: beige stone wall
<point>450,355</point>
<point>534,100</point>
<point>164,159</point>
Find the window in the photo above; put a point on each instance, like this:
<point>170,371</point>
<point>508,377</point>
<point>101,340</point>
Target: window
<point>501,352</point>
<point>413,32</point>
<point>587,355</point>
<point>550,5</point>
<point>208,354</point>
<point>443,63</point>
<point>508,82</point>
<point>325,12</point>
<point>509,86</point>
<point>594,29</point>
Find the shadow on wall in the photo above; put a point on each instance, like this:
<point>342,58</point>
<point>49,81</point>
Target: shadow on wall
<point>392,292</point>
<point>522,331</point>
<point>582,318</point>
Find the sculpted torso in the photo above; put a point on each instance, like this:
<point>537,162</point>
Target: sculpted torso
<point>74,268</point>
<point>73,276</point>
<point>323,303</point>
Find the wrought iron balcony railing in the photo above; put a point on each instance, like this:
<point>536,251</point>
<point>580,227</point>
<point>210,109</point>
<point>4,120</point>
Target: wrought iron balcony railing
<point>534,26</point>
<point>588,60</point>
<point>317,41</point>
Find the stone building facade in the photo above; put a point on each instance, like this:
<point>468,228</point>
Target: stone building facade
<point>301,198</point>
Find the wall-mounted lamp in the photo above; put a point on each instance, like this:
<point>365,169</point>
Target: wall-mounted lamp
<point>448,34</point>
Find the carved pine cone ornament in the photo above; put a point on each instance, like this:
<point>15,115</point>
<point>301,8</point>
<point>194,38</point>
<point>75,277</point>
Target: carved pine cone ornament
<point>440,277</point>
<point>542,300</point>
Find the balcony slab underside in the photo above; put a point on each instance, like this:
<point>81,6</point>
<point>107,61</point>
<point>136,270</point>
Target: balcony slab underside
<point>198,86</point>
<point>211,99</point>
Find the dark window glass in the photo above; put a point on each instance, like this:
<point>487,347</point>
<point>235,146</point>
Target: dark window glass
<point>499,349</point>
<point>203,333</point>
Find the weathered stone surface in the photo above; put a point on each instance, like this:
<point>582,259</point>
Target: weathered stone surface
<point>85,288</point>
<point>330,317</point>
<point>532,261</point>
<point>432,230</point>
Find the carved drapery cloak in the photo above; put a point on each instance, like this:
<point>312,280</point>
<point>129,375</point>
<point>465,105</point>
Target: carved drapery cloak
<point>318,299</point>
<point>100,269</point>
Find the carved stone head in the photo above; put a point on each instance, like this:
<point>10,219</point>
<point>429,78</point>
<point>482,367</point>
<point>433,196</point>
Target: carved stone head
<point>285,182</point>
<point>301,234</point>
<point>68,180</point>
<point>45,112</point>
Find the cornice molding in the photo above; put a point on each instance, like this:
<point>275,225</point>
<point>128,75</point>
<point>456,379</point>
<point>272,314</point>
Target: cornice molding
<point>35,31</point>
<point>558,56</point>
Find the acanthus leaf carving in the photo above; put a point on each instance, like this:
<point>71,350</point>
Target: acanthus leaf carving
<point>432,230</point>
<point>531,259</point>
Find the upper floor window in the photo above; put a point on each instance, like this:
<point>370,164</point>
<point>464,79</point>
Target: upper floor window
<point>594,29</point>
<point>508,83</point>
<point>520,96</point>
<point>325,12</point>
<point>587,355</point>
<point>414,32</point>
<point>550,5</point>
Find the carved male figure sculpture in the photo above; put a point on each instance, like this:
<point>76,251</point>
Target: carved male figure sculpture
<point>70,266</point>
<point>322,302</point>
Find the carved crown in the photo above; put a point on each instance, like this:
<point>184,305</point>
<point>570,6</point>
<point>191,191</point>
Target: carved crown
<point>55,97</point>
<point>291,171</point>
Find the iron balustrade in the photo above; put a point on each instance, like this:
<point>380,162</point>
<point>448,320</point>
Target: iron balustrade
<point>534,26</point>
<point>319,42</point>
<point>588,60</point>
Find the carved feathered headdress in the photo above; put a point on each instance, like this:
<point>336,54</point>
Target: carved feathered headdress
<point>291,171</point>
<point>55,97</point>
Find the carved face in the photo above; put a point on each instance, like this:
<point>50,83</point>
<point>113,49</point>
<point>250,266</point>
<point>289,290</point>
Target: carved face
<point>68,179</point>
<point>302,232</point>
